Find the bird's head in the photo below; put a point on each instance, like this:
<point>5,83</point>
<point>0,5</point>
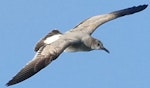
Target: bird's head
<point>98,45</point>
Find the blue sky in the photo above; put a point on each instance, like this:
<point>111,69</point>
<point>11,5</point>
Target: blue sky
<point>24,22</point>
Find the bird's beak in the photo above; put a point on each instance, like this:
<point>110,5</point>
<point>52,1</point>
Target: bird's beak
<point>105,49</point>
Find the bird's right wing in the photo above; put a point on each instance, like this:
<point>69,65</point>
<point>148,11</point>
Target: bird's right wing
<point>89,26</point>
<point>45,55</point>
<point>40,61</point>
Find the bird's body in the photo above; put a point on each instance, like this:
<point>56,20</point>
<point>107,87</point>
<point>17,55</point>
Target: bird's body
<point>78,39</point>
<point>75,47</point>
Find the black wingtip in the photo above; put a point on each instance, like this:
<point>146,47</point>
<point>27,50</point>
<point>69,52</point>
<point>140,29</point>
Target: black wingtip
<point>10,83</point>
<point>7,85</point>
<point>144,6</point>
<point>140,7</point>
<point>130,10</point>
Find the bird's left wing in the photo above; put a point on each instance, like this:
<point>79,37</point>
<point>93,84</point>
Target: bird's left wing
<point>89,26</point>
<point>45,55</point>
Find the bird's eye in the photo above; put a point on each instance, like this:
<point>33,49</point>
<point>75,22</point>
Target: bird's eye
<point>98,44</point>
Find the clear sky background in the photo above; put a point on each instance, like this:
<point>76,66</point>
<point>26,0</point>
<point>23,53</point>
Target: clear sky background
<point>24,22</point>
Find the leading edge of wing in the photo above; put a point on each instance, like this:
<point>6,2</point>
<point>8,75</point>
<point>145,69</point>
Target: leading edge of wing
<point>89,25</point>
<point>45,55</point>
<point>39,62</point>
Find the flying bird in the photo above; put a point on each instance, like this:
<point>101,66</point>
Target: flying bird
<point>77,39</point>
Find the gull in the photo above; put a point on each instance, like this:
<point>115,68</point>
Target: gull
<point>77,39</point>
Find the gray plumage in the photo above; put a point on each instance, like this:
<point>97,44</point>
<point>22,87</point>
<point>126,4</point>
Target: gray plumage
<point>75,47</point>
<point>81,34</point>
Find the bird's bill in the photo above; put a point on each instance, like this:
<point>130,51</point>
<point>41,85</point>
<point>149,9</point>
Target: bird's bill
<point>105,49</point>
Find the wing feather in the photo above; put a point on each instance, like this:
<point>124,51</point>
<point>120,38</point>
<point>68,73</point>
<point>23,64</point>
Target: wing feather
<point>90,25</point>
<point>45,55</point>
<point>30,69</point>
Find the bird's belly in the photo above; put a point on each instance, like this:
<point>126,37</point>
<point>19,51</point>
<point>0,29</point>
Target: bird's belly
<point>80,47</point>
